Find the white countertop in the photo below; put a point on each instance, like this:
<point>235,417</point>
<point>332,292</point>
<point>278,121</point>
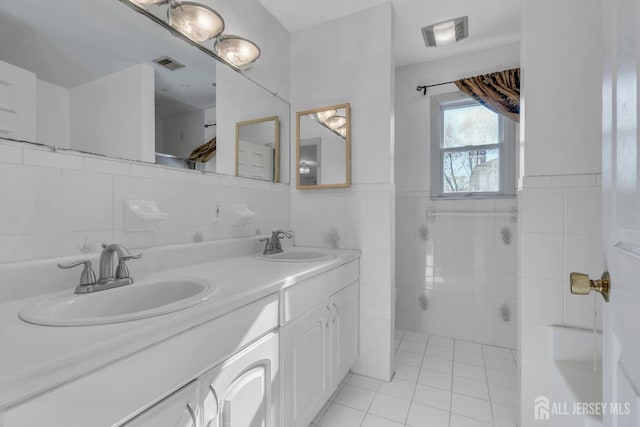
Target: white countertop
<point>35,359</point>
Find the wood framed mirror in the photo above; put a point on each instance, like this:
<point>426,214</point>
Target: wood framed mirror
<point>258,149</point>
<point>323,147</point>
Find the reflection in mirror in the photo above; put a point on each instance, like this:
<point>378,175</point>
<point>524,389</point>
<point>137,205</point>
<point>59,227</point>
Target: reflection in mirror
<point>257,148</point>
<point>107,80</point>
<point>323,145</point>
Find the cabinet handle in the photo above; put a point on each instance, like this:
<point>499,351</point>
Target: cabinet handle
<point>193,415</point>
<point>326,322</point>
<point>335,317</point>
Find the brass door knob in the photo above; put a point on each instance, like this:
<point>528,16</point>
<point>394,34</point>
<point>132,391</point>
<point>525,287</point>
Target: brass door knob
<point>582,285</point>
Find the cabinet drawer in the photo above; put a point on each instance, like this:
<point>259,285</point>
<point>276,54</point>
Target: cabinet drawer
<point>304,296</point>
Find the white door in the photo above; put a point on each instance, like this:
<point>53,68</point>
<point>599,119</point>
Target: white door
<point>306,364</point>
<point>345,305</point>
<point>17,103</point>
<point>244,390</point>
<point>621,208</point>
<point>255,161</point>
<point>177,410</point>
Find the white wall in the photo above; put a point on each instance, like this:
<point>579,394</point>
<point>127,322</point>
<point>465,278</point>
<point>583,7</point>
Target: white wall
<point>360,72</point>
<point>61,202</point>
<point>53,115</point>
<point>183,133</point>
<point>561,196</point>
<point>463,268</point>
<point>114,115</point>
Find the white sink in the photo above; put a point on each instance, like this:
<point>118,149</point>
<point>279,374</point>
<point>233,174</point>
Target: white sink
<point>296,255</point>
<point>123,304</point>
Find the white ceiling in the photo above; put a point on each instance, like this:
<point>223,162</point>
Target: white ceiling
<point>491,22</point>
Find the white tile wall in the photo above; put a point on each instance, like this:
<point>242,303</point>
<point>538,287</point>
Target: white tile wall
<point>553,246</point>
<point>463,271</point>
<point>61,203</point>
<point>363,217</point>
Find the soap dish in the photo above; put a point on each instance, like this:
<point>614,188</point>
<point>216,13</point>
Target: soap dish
<point>142,215</point>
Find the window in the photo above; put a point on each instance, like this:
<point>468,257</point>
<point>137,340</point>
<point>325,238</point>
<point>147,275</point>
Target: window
<point>472,149</point>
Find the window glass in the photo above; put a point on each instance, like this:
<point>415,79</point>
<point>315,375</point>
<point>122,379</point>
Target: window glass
<point>471,171</point>
<point>471,125</point>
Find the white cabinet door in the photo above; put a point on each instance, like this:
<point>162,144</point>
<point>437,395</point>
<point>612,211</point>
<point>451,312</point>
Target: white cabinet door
<point>244,390</point>
<point>345,308</point>
<point>306,364</point>
<point>177,410</point>
<point>17,103</point>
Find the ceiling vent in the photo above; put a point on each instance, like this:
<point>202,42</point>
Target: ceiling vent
<point>447,32</point>
<point>169,63</point>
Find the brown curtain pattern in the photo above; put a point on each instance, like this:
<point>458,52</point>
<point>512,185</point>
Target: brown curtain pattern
<point>499,92</point>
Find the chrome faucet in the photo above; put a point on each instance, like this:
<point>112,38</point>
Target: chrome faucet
<point>109,278</point>
<point>272,245</point>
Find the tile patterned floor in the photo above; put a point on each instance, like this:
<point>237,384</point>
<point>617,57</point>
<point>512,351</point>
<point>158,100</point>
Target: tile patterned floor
<point>439,382</point>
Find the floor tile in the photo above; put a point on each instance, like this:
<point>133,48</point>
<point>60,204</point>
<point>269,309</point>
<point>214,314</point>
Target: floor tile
<point>422,415</point>
<point>503,395</point>
<point>390,407</point>
<point>416,336</point>
<point>441,341</point>
<point>475,359</point>
<point>501,378</point>
<point>501,365</point>
<point>501,352</point>
<point>435,379</point>
<point>364,382</point>
<point>408,358</point>
<point>460,421</point>
<point>355,397</point>
<point>412,346</point>
<point>504,416</point>
<point>341,416</point>
<point>471,407</point>
<point>407,373</point>
<point>375,421</point>
<point>470,387</point>
<point>437,364</point>
<point>440,352</point>
<point>398,388</point>
<point>431,396</point>
<point>469,371</point>
<point>468,347</point>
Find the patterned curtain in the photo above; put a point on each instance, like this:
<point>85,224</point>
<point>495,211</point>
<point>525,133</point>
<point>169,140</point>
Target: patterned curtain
<point>499,92</point>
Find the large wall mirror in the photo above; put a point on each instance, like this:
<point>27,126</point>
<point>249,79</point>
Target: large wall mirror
<point>111,81</point>
<point>258,148</point>
<point>323,147</point>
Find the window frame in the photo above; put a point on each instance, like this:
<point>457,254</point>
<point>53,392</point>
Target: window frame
<point>506,147</point>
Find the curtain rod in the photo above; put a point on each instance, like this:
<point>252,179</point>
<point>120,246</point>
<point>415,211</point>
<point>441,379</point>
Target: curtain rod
<point>425,87</point>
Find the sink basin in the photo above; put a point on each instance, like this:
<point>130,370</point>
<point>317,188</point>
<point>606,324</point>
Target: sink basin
<point>296,256</point>
<point>123,304</point>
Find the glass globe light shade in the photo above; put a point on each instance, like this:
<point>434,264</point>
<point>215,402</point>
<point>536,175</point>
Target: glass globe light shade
<point>195,20</point>
<point>323,116</point>
<point>236,50</point>
<point>336,122</point>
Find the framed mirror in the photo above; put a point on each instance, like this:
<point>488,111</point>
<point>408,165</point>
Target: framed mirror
<point>258,149</point>
<point>108,80</point>
<point>323,147</point>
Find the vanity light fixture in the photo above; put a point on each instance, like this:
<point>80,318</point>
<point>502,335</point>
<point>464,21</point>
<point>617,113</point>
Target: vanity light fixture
<point>447,32</point>
<point>336,122</point>
<point>236,50</point>
<point>195,20</point>
<point>342,130</point>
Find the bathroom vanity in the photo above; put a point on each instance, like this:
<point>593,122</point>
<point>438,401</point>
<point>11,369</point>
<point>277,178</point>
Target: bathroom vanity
<point>266,348</point>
